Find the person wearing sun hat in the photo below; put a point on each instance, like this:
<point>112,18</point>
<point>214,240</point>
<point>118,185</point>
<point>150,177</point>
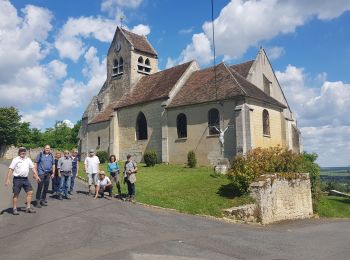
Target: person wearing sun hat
<point>92,168</point>
<point>104,184</point>
<point>19,168</point>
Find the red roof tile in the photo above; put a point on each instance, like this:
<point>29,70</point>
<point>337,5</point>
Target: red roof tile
<point>153,87</point>
<point>243,68</point>
<point>201,88</point>
<point>139,42</point>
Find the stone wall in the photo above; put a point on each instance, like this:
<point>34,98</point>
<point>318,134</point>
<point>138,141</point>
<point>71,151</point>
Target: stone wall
<point>128,144</point>
<point>206,147</point>
<point>280,198</point>
<point>277,198</point>
<point>10,152</point>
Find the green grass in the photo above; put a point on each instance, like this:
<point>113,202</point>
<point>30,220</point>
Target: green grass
<point>334,207</point>
<point>194,191</point>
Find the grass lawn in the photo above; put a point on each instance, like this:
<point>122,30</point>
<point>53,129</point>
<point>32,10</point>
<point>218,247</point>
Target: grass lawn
<point>334,207</point>
<point>194,191</point>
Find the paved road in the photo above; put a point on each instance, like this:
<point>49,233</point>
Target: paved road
<point>84,228</point>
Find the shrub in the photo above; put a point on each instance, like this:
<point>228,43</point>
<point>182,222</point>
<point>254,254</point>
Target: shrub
<point>150,158</point>
<point>102,155</point>
<point>191,159</point>
<point>259,161</point>
<point>309,165</point>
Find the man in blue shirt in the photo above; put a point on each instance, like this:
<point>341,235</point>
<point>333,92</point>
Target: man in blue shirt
<point>45,165</point>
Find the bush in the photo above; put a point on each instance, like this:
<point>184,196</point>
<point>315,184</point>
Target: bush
<point>191,159</point>
<point>309,165</point>
<point>259,161</point>
<point>150,158</point>
<point>103,156</point>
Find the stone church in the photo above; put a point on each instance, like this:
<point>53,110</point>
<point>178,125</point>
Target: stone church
<point>183,108</point>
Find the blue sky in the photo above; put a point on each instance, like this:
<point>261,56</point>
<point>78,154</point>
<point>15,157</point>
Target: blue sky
<point>52,54</point>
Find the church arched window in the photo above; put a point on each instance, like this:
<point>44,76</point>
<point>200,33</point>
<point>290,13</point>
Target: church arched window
<point>266,122</point>
<point>141,127</point>
<point>115,68</point>
<point>213,121</point>
<point>121,66</point>
<point>140,60</point>
<point>147,66</point>
<point>181,124</point>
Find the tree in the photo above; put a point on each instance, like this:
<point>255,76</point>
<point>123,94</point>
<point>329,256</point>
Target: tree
<point>9,125</point>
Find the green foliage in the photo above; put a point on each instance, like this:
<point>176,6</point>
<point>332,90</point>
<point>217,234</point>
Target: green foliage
<point>9,125</point>
<point>103,156</point>
<point>150,158</point>
<point>259,161</point>
<point>334,207</point>
<point>309,165</point>
<point>191,159</point>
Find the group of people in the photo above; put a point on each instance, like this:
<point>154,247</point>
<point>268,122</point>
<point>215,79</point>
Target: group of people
<point>63,170</point>
<point>103,183</point>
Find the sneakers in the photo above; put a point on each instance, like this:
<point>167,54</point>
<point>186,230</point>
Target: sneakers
<point>38,204</point>
<point>108,197</point>
<point>67,198</point>
<point>60,197</point>
<point>43,203</point>
<point>15,212</point>
<point>30,210</point>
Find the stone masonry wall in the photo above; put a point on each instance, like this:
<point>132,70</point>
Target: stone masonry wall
<point>10,152</point>
<point>127,133</point>
<point>279,199</point>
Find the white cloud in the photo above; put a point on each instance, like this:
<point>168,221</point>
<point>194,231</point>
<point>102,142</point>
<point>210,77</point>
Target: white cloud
<point>58,69</point>
<point>198,50</point>
<point>76,93</point>
<point>113,7</point>
<point>69,42</point>
<point>68,123</point>
<point>141,29</point>
<point>37,118</point>
<point>242,24</point>
<point>321,112</point>
<point>186,31</point>
<point>275,52</point>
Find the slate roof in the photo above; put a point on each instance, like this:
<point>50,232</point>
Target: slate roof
<point>243,68</point>
<point>201,88</point>
<point>139,42</point>
<point>153,87</point>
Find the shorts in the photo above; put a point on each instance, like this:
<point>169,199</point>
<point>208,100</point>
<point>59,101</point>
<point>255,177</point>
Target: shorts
<point>115,176</point>
<point>19,183</point>
<point>92,178</point>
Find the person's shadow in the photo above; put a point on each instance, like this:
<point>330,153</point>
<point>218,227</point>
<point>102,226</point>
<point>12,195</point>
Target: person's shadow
<point>83,192</point>
<point>10,210</point>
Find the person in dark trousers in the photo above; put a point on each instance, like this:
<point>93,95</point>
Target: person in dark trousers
<point>113,169</point>
<point>75,167</point>
<point>45,165</point>
<point>130,170</point>
<point>65,171</point>
<point>56,178</point>
<point>19,168</point>
<point>104,184</point>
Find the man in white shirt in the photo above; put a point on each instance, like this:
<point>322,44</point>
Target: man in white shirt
<point>104,184</point>
<point>19,168</point>
<point>92,168</point>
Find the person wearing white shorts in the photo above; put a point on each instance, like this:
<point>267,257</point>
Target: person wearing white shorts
<point>92,168</point>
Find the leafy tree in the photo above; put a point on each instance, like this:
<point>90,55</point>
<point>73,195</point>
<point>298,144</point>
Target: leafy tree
<point>9,125</point>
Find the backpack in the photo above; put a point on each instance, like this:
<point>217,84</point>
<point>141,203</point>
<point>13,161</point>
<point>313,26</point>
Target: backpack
<point>41,155</point>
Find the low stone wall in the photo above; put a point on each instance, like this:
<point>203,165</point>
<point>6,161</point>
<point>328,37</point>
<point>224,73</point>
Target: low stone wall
<point>10,152</point>
<point>277,197</point>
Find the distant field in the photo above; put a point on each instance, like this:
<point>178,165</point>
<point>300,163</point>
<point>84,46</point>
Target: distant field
<point>334,207</point>
<point>335,171</point>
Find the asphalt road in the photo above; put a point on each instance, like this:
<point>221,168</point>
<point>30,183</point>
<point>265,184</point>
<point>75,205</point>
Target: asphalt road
<point>84,228</point>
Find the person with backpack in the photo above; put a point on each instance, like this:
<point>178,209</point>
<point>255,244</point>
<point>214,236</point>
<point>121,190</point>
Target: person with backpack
<point>130,170</point>
<point>56,180</point>
<point>45,166</point>
<point>65,172</point>
<point>19,168</point>
<point>75,167</point>
<point>113,169</point>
